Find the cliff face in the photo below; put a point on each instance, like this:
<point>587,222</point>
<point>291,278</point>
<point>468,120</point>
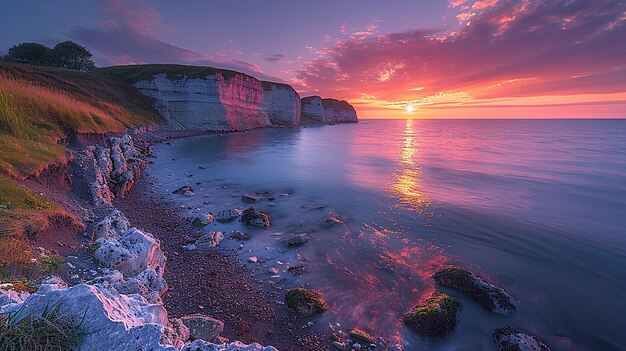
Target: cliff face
<point>222,103</point>
<point>328,110</point>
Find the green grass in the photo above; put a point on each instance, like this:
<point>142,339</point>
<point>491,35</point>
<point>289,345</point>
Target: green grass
<point>40,107</point>
<point>135,73</point>
<point>49,331</point>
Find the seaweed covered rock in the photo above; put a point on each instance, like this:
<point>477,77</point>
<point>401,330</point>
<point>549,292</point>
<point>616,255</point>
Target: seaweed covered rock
<point>492,297</point>
<point>306,302</point>
<point>255,218</point>
<point>513,339</point>
<point>436,316</point>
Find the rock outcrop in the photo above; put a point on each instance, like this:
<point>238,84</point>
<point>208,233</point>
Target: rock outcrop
<point>113,321</point>
<point>329,111</point>
<point>492,297</point>
<point>221,101</point>
<point>112,170</point>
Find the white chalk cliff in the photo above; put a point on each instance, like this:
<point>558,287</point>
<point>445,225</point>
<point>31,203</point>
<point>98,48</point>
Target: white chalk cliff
<point>222,101</point>
<point>329,111</point>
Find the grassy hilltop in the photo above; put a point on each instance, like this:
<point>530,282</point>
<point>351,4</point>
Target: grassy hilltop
<point>40,107</point>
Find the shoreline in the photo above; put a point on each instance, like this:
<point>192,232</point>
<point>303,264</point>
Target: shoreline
<point>213,282</point>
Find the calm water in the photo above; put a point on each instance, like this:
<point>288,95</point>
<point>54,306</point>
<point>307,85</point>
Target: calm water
<point>538,207</point>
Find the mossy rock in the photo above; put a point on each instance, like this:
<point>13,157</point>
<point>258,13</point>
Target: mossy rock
<point>490,296</point>
<point>306,302</point>
<point>513,339</point>
<point>436,316</point>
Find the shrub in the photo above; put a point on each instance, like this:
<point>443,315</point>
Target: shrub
<point>48,331</point>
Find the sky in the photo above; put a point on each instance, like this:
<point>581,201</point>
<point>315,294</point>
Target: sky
<point>389,59</point>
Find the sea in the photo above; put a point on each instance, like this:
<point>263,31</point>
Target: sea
<point>537,207</point>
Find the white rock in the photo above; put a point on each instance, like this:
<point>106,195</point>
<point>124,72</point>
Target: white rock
<point>110,321</point>
<point>253,259</point>
<point>328,110</point>
<point>133,253</point>
<point>219,103</point>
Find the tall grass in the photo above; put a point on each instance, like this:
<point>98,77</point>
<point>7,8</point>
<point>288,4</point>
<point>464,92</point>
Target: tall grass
<point>46,332</point>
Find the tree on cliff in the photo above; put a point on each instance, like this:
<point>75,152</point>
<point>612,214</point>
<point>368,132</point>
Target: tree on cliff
<point>67,54</point>
<point>29,53</point>
<point>71,55</point>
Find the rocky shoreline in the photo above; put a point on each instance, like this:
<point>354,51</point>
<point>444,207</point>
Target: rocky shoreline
<point>140,282</point>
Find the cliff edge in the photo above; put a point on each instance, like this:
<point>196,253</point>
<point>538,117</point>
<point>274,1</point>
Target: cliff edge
<point>205,98</point>
<point>329,111</point>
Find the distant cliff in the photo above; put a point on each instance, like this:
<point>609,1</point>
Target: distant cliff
<point>204,98</point>
<point>328,110</point>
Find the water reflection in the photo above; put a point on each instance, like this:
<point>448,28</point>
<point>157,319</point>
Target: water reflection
<point>408,181</point>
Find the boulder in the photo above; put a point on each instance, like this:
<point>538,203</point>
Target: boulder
<point>305,302</point>
<point>110,321</point>
<point>255,218</point>
<point>228,215</point>
<point>202,327</point>
<point>186,190</point>
<point>513,339</point>
<point>113,225</point>
<point>11,296</point>
<point>298,239</point>
<point>493,298</point>
<point>133,253</point>
<point>436,316</point>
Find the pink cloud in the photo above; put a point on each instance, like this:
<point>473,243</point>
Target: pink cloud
<point>547,47</point>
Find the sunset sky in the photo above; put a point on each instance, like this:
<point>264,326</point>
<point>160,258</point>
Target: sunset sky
<point>390,59</point>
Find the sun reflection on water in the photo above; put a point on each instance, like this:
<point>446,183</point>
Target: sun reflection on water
<point>407,184</point>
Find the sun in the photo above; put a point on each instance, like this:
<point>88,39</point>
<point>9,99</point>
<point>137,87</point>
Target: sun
<point>409,108</point>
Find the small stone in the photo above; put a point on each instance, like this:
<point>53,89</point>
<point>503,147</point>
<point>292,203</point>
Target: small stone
<point>298,239</point>
<point>272,271</point>
<point>186,190</point>
<point>331,221</point>
<point>237,235</point>
<point>297,270</point>
<point>250,198</point>
<point>253,259</point>
<point>228,215</point>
